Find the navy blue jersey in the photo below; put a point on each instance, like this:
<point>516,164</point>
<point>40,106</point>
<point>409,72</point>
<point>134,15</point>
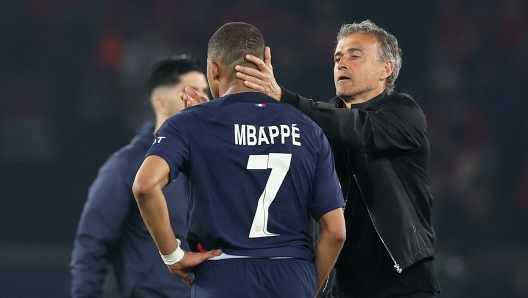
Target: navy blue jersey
<point>258,169</point>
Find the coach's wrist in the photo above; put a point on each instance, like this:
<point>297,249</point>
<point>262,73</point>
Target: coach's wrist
<point>175,256</point>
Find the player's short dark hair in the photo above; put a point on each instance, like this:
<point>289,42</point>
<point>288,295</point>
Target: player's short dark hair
<point>231,42</point>
<point>167,72</point>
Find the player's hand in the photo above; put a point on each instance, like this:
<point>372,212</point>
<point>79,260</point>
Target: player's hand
<point>185,266</point>
<point>261,80</point>
<point>191,97</point>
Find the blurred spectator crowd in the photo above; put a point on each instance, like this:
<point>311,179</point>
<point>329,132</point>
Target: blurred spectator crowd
<point>478,124</point>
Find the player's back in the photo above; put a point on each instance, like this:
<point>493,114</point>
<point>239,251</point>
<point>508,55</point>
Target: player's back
<point>255,167</point>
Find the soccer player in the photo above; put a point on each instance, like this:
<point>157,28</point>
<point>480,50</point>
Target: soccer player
<point>111,230</point>
<point>258,169</point>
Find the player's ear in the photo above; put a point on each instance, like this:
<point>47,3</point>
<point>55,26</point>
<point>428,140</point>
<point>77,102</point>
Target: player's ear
<point>215,70</point>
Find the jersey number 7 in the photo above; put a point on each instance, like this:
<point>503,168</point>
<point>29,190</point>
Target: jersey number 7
<point>279,163</point>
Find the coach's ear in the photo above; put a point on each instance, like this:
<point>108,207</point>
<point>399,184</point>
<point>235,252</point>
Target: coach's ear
<point>387,67</point>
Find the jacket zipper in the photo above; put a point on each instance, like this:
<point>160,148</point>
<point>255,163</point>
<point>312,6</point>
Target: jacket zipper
<point>396,265</point>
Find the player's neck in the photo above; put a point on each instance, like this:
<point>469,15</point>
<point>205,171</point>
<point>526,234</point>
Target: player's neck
<point>236,86</point>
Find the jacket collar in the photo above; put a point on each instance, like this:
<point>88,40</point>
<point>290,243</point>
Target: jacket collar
<point>145,134</point>
<point>367,105</point>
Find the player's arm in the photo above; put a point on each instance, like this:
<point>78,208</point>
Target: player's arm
<point>333,235</point>
<point>152,176</point>
<point>328,205</point>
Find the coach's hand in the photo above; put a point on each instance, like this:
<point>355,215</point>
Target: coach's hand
<point>185,266</point>
<point>191,97</point>
<point>261,80</point>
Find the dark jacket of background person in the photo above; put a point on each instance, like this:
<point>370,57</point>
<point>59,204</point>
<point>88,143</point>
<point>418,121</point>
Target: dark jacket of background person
<point>381,152</point>
<point>111,230</point>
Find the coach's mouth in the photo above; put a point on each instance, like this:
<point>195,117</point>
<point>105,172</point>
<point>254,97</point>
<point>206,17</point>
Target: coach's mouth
<point>341,78</point>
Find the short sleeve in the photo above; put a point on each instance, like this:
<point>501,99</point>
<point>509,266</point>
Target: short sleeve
<point>327,195</point>
<point>170,144</point>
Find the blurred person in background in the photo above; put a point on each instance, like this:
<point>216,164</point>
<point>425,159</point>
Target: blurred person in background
<point>259,171</point>
<point>111,230</point>
<point>381,150</point>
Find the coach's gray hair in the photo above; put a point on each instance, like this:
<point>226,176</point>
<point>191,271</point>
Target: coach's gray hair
<point>389,49</point>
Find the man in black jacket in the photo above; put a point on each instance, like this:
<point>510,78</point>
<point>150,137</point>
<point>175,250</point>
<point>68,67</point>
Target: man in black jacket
<point>381,150</point>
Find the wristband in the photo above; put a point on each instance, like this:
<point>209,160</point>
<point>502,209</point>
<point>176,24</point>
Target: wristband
<point>175,256</point>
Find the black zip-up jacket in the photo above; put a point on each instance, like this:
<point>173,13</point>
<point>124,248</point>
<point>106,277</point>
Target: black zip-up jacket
<point>388,138</point>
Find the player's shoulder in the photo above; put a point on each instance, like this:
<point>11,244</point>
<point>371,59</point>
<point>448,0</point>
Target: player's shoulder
<point>198,111</point>
<point>138,146</point>
<point>131,155</point>
<point>123,160</point>
<point>294,114</point>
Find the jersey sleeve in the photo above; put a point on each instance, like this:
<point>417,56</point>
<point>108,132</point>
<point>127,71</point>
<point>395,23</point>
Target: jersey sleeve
<point>327,195</point>
<point>170,144</point>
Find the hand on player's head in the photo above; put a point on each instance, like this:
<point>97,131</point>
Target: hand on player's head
<point>261,80</point>
<point>191,97</point>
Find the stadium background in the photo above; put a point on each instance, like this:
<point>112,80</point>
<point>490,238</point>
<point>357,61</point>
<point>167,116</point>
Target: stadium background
<point>71,93</point>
